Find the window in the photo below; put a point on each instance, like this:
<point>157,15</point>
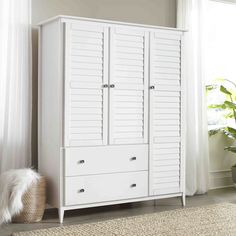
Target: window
<point>221,55</point>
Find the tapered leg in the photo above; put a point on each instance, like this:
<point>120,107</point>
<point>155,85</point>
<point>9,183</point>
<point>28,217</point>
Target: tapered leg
<point>61,215</point>
<point>183,200</point>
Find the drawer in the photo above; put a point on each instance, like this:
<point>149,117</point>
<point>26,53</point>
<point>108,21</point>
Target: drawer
<point>108,159</point>
<point>107,187</point>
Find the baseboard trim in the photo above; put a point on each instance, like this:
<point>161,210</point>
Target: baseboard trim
<point>220,171</point>
<point>220,179</point>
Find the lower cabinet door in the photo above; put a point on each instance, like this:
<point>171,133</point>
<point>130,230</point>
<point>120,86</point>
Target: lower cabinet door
<point>107,187</point>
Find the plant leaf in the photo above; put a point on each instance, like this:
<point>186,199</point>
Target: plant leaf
<point>229,132</point>
<point>231,149</point>
<point>219,106</point>
<point>225,90</point>
<point>232,130</point>
<point>230,104</point>
<point>214,131</point>
<point>222,80</point>
<point>211,87</point>
<point>230,115</point>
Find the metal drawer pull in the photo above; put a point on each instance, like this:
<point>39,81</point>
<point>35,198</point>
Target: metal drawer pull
<point>152,87</point>
<point>81,190</point>
<point>133,185</point>
<point>112,86</point>
<point>105,85</point>
<point>81,162</point>
<point>133,158</point>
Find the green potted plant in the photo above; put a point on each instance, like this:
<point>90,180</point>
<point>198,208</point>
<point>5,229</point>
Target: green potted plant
<point>226,88</point>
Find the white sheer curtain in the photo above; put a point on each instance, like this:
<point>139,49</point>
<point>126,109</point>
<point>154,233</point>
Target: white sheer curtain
<point>15,84</point>
<point>190,16</point>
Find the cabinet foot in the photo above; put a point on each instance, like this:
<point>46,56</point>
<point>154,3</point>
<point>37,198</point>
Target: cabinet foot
<point>183,200</point>
<point>61,215</point>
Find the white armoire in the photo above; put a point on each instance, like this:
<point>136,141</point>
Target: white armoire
<point>111,112</point>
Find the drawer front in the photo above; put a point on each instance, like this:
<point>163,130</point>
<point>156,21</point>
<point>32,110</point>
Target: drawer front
<point>102,160</point>
<point>108,187</point>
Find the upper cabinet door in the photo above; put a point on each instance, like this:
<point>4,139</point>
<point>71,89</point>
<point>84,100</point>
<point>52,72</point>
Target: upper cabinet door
<point>165,112</point>
<point>128,86</point>
<point>86,77</point>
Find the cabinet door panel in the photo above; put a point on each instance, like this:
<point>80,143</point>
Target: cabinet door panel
<point>129,97</point>
<point>165,113</point>
<point>86,71</point>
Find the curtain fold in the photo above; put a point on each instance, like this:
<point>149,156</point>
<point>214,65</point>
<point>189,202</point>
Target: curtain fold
<point>191,16</point>
<point>15,84</point>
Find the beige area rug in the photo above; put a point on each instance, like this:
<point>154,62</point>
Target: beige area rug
<point>211,220</point>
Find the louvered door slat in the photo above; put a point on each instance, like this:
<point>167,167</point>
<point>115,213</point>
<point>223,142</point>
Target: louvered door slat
<point>165,113</point>
<point>129,97</point>
<point>86,102</point>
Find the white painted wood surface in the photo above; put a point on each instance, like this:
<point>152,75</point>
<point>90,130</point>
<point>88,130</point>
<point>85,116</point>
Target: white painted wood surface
<point>86,73</point>
<point>50,109</point>
<point>128,86</point>
<point>106,159</point>
<point>108,187</point>
<point>165,113</point>
<point>103,138</point>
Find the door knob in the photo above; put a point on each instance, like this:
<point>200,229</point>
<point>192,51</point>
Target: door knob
<point>112,86</point>
<point>105,85</point>
<point>152,87</point>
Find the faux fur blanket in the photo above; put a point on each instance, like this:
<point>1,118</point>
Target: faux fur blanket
<point>13,184</point>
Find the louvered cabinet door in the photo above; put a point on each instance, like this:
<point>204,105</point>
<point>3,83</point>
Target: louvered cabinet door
<point>128,86</point>
<point>165,112</point>
<point>86,73</point>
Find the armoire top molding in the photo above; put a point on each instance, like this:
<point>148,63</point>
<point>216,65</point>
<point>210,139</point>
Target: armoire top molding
<point>65,18</point>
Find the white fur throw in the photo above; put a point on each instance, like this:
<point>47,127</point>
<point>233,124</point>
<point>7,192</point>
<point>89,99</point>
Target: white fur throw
<point>13,184</point>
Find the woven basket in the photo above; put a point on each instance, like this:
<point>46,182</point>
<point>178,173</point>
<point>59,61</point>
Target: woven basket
<point>33,203</point>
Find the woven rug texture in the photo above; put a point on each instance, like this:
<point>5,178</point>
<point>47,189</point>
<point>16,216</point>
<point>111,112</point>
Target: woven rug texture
<point>217,220</point>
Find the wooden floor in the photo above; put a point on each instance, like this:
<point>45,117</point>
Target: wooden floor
<point>111,212</point>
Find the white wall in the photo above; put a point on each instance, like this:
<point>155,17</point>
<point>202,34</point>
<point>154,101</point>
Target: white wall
<point>155,12</point>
